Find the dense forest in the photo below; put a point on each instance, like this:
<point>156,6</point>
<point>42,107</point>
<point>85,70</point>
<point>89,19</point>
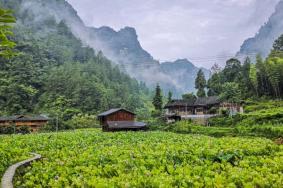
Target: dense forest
<point>240,81</point>
<point>54,73</point>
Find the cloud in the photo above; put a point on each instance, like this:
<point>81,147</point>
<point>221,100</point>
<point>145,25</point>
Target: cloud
<point>172,29</point>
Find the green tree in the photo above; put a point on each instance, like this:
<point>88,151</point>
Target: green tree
<point>253,78</point>
<point>200,84</point>
<point>170,95</point>
<point>274,72</point>
<point>232,70</point>
<point>231,92</point>
<point>264,86</point>
<point>6,45</point>
<point>214,85</point>
<point>157,100</point>
<point>245,82</point>
<point>189,96</point>
<point>55,74</point>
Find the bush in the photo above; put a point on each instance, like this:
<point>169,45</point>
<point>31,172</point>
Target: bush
<point>213,110</point>
<point>182,127</point>
<point>156,123</point>
<point>270,131</point>
<point>14,130</point>
<point>265,116</point>
<point>252,106</point>
<point>83,121</point>
<point>222,121</point>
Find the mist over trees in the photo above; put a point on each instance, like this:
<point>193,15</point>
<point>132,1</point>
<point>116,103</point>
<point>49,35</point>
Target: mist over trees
<point>55,74</point>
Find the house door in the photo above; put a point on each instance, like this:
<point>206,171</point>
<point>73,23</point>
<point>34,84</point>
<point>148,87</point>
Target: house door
<point>199,111</point>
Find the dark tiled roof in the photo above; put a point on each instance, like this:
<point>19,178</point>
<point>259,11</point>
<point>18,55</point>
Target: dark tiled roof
<point>180,103</point>
<point>201,101</point>
<point>111,111</point>
<point>125,125</point>
<point>24,118</point>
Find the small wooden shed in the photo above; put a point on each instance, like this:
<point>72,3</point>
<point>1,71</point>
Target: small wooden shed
<point>33,122</point>
<point>119,119</point>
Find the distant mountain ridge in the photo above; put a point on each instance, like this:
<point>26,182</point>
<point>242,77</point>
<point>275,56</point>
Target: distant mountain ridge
<point>184,72</point>
<point>262,42</point>
<point>122,47</point>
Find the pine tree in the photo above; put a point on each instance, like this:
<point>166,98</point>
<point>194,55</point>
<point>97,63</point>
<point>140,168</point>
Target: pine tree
<point>200,84</point>
<point>157,100</point>
<point>170,94</point>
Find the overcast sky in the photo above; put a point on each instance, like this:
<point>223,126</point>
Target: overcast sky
<point>204,31</point>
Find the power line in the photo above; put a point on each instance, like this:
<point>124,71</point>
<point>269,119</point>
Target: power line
<point>143,65</point>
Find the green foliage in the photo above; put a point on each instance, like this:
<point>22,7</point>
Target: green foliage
<point>231,92</point>
<point>170,94</point>
<point>256,114</point>
<point>189,96</point>
<point>83,121</point>
<point>214,85</point>
<point>271,116</point>
<point>183,127</point>
<point>232,70</point>
<point>253,79</point>
<point>6,45</point>
<point>14,130</point>
<point>221,121</point>
<point>270,130</point>
<point>262,79</point>
<point>200,84</point>
<point>136,159</point>
<point>158,99</point>
<point>252,105</point>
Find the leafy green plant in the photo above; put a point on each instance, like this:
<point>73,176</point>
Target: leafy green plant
<point>90,158</point>
<point>6,45</point>
<point>83,121</point>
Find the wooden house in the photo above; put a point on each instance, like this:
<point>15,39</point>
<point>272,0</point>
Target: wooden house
<point>33,122</point>
<point>119,119</point>
<point>200,108</point>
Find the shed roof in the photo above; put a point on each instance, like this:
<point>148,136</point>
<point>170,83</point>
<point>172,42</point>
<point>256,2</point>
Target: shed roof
<point>24,118</point>
<point>125,124</point>
<point>113,110</point>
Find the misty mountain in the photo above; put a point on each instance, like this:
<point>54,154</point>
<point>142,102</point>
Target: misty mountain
<point>54,68</point>
<point>184,72</point>
<point>121,47</point>
<point>262,42</point>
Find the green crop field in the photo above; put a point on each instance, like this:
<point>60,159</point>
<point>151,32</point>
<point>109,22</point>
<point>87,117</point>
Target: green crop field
<point>143,159</point>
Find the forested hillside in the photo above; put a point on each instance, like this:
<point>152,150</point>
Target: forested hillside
<point>121,47</point>
<point>56,74</point>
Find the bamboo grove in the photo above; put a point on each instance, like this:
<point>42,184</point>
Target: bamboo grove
<point>264,78</point>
